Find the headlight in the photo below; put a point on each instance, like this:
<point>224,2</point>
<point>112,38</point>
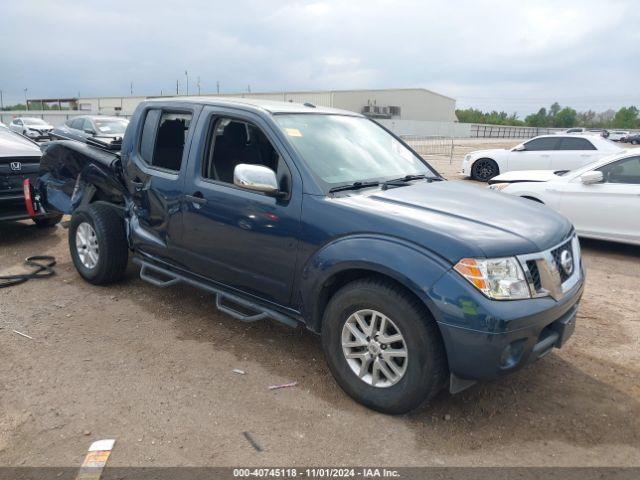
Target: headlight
<point>32,132</point>
<point>497,278</point>
<point>467,158</point>
<point>498,186</point>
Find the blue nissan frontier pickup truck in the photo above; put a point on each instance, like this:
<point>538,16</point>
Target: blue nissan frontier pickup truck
<point>321,217</point>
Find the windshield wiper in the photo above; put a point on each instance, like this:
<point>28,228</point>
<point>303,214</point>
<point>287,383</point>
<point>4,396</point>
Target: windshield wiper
<point>354,186</point>
<point>399,182</point>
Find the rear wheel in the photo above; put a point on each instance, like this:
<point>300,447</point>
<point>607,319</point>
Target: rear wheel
<point>635,142</point>
<point>383,347</point>
<point>46,222</point>
<point>98,244</point>
<point>484,169</point>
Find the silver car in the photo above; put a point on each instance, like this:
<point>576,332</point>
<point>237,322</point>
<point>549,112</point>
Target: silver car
<point>91,126</point>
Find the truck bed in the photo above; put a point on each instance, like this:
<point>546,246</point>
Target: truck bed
<point>71,170</point>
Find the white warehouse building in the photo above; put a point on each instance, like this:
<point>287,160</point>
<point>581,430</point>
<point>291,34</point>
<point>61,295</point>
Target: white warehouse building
<point>405,111</point>
<point>401,103</point>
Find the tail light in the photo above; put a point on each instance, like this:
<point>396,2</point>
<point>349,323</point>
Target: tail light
<point>28,200</point>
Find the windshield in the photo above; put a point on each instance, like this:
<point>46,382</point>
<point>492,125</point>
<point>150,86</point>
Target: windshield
<point>341,149</point>
<point>33,121</point>
<point>111,126</point>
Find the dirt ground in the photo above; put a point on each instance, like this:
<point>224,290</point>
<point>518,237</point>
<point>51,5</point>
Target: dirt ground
<point>152,368</point>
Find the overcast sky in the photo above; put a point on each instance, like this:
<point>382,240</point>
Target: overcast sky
<point>504,55</point>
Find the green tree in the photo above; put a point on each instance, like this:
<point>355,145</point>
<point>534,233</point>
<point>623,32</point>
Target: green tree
<point>565,118</point>
<point>540,119</point>
<point>626,117</point>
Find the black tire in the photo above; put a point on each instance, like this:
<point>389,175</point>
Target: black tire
<point>634,142</point>
<point>426,369</point>
<point>113,252</point>
<point>484,169</point>
<point>47,222</point>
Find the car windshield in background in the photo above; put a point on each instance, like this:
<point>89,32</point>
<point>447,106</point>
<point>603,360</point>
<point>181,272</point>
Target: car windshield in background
<point>33,121</point>
<point>342,149</point>
<point>111,126</point>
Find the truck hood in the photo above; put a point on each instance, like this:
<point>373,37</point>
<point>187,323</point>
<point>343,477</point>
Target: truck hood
<point>457,220</point>
<point>14,145</point>
<point>526,176</point>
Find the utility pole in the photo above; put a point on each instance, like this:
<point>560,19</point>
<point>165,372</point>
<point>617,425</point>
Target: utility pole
<point>186,74</point>
<point>248,88</point>
<point>1,101</point>
<point>131,89</point>
<point>198,86</point>
<point>218,86</point>
<point>177,86</point>
<point>26,104</point>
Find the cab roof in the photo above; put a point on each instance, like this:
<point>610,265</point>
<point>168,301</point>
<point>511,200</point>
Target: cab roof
<point>271,106</point>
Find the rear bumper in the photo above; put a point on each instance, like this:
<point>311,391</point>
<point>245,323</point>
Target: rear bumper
<point>12,207</point>
<point>487,339</point>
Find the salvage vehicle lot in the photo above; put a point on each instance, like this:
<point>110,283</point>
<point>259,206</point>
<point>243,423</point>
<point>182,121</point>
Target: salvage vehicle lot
<point>153,369</point>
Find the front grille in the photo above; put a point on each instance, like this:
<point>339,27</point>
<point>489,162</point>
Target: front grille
<point>544,271</point>
<point>564,276</point>
<point>535,274</point>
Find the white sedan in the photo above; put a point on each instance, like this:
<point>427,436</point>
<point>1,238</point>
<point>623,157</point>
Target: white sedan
<point>617,135</point>
<point>556,152</point>
<point>602,199</point>
<point>33,128</point>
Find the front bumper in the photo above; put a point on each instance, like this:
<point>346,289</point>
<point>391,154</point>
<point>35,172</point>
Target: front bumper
<point>465,168</point>
<point>45,135</point>
<point>487,339</point>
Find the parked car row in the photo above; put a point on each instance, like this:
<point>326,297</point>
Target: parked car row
<point>545,152</point>
<point>96,127</point>
<point>601,199</point>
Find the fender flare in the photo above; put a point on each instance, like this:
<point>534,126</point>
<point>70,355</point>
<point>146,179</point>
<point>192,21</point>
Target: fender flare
<point>410,265</point>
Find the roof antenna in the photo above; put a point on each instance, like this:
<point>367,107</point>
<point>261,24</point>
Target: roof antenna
<point>310,105</point>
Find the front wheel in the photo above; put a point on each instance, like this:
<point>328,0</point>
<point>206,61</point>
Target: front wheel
<point>98,244</point>
<point>383,347</point>
<point>484,169</point>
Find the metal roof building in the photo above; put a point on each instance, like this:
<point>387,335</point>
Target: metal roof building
<point>414,104</point>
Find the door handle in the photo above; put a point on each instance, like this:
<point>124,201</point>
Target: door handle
<point>197,198</point>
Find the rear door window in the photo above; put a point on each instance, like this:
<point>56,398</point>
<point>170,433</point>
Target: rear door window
<point>163,138</point>
<point>539,144</point>
<point>575,143</point>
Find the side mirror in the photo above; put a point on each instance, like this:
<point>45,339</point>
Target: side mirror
<point>591,177</point>
<point>89,131</point>
<point>518,148</point>
<point>257,178</point>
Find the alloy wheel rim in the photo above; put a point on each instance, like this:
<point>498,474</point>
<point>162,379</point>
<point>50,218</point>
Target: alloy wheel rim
<point>374,348</point>
<point>87,245</point>
<point>485,170</point>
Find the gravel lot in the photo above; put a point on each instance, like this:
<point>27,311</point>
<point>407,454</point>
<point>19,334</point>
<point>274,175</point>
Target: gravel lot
<point>152,368</point>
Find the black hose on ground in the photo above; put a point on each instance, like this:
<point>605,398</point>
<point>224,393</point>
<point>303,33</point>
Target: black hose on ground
<point>42,265</point>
